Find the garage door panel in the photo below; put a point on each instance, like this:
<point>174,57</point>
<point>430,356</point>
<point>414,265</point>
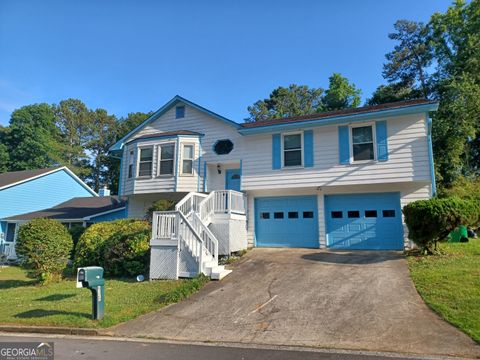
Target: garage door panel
<point>286,221</point>
<point>364,221</point>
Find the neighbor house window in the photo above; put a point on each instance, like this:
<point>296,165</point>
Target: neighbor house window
<point>292,150</point>
<point>362,143</point>
<point>167,154</point>
<point>179,112</point>
<point>187,159</point>
<point>145,162</point>
<point>131,160</point>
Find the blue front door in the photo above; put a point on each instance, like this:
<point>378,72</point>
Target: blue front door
<point>232,179</point>
<point>288,221</point>
<point>364,221</point>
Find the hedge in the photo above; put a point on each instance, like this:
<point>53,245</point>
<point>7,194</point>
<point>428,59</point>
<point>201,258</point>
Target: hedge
<point>44,246</point>
<point>121,247</point>
<point>430,221</point>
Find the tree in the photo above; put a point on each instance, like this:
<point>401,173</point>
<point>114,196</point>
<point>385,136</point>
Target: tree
<point>394,92</point>
<point>341,94</point>
<point>283,102</point>
<point>32,139</point>
<point>74,123</point>
<point>102,134</point>
<point>409,60</point>
<point>4,155</point>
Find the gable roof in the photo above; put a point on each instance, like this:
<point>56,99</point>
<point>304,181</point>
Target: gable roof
<point>14,178</point>
<point>360,113</point>
<point>173,102</point>
<point>79,208</point>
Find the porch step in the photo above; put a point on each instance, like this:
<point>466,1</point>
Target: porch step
<point>219,274</point>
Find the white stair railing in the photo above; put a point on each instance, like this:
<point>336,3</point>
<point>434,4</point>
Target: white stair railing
<point>188,224</point>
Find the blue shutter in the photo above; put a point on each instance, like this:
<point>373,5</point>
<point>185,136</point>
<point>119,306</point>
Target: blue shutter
<point>276,148</point>
<point>381,135</point>
<point>308,148</point>
<point>343,145</point>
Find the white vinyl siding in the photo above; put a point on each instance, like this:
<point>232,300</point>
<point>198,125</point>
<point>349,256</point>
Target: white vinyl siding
<point>407,148</point>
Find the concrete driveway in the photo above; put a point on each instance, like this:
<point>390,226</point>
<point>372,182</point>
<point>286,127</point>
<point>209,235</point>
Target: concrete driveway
<point>306,297</point>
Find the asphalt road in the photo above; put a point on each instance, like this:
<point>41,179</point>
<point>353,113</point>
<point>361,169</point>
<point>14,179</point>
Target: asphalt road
<point>91,348</point>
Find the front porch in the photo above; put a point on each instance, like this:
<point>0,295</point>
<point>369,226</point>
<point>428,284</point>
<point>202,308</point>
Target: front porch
<point>188,241</point>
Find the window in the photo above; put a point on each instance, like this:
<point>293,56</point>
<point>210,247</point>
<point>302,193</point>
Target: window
<point>131,159</point>
<point>10,232</point>
<point>264,215</point>
<point>187,159</point>
<point>179,112</point>
<point>308,214</point>
<point>278,215</point>
<point>292,150</point>
<point>354,214</point>
<point>388,213</point>
<point>337,215</point>
<point>223,147</point>
<point>370,213</point>
<point>166,162</point>
<point>362,143</point>
<point>293,215</point>
<point>145,163</point>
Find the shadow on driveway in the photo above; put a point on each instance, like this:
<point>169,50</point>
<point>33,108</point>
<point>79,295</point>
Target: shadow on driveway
<point>356,258</point>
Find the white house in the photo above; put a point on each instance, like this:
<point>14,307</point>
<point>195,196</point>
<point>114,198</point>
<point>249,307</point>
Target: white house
<point>337,180</point>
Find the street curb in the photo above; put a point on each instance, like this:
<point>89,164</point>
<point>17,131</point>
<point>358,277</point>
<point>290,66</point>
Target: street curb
<point>49,330</point>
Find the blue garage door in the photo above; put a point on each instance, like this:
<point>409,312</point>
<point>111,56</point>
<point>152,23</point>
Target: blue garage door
<point>289,221</point>
<point>364,221</point>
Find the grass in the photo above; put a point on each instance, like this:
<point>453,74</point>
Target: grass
<point>450,284</point>
<point>24,301</point>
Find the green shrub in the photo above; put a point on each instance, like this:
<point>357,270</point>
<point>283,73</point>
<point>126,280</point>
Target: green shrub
<point>76,231</point>
<point>430,221</point>
<point>45,247</point>
<point>121,247</point>
<point>464,188</point>
<point>159,205</point>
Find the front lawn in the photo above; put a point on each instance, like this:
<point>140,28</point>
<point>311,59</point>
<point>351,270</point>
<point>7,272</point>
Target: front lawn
<point>23,301</point>
<point>450,283</point>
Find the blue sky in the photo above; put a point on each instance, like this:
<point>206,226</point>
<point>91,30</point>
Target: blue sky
<point>128,56</point>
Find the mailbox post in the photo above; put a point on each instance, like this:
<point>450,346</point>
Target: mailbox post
<point>91,277</point>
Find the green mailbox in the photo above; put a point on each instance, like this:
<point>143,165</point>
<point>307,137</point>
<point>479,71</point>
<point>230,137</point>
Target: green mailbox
<point>91,277</point>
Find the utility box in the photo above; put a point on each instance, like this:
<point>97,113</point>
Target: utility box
<point>91,277</point>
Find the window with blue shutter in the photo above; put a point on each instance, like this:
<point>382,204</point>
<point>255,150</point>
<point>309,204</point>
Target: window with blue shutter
<point>381,135</point>
<point>343,145</point>
<point>276,151</point>
<point>308,148</point>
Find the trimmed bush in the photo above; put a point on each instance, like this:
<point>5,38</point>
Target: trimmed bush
<point>430,221</point>
<point>45,247</point>
<point>121,247</point>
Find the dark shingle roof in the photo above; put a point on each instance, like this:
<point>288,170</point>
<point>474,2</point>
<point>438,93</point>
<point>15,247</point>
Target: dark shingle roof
<point>166,133</point>
<point>350,111</point>
<point>13,177</point>
<point>76,208</point>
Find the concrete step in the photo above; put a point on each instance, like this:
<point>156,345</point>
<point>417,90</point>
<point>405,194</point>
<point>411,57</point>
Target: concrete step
<point>218,274</point>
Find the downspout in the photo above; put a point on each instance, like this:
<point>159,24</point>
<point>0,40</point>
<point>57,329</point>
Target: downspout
<point>430,155</point>
<point>199,162</point>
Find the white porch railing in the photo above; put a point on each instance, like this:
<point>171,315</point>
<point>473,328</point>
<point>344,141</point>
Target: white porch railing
<point>190,202</point>
<point>229,201</point>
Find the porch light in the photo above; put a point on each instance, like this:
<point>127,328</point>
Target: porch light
<point>219,169</point>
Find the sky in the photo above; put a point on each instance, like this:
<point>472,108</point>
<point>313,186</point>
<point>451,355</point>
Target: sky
<point>129,56</point>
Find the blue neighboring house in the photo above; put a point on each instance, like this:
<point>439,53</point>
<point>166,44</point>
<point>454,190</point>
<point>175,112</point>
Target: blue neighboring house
<point>33,190</point>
